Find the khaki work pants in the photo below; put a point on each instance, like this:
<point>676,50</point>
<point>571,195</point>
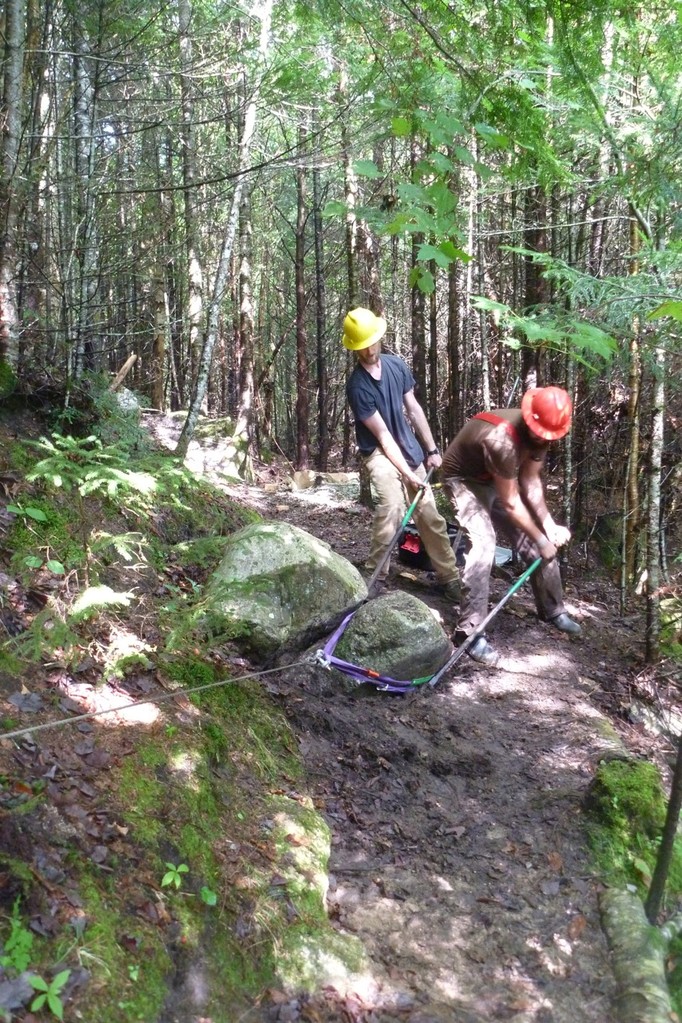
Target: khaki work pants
<point>389,492</point>
<point>479,514</point>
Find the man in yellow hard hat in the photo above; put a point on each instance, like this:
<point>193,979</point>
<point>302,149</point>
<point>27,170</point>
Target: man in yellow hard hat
<point>492,476</point>
<point>380,391</point>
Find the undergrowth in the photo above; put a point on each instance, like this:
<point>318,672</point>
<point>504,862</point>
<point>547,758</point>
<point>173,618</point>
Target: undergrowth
<point>196,795</point>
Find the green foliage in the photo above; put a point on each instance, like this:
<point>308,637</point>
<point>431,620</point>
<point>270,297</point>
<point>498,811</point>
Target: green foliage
<point>37,514</point>
<point>626,809</point>
<point>208,896</point>
<point>8,380</point>
<point>85,465</point>
<point>671,626</point>
<point>18,946</point>
<point>586,343</point>
<point>49,993</point>
<point>173,875</point>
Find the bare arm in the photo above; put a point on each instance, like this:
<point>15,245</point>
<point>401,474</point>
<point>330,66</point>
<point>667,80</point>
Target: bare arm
<point>376,425</point>
<point>514,505</point>
<point>421,427</point>
<point>533,495</point>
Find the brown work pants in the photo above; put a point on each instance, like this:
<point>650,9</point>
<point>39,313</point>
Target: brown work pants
<point>479,513</point>
<point>390,507</point>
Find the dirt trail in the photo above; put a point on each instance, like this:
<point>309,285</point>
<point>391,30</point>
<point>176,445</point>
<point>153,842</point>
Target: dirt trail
<point>458,852</point>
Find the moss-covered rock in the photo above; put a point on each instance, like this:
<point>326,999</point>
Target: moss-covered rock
<point>276,580</point>
<point>397,635</point>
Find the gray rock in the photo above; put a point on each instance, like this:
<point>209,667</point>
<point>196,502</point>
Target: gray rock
<point>277,581</point>
<point>397,635</point>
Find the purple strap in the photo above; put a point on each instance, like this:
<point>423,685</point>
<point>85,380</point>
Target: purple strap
<point>383,682</point>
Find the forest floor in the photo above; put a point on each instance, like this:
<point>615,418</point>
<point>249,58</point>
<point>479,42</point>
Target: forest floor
<point>459,852</point>
<point>459,856</point>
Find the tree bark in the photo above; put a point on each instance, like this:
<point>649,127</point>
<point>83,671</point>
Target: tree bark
<point>638,959</point>
<point>264,12</point>
<point>10,115</point>
<point>302,396</point>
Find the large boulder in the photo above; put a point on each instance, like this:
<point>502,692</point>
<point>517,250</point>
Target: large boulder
<point>275,582</point>
<point>397,635</point>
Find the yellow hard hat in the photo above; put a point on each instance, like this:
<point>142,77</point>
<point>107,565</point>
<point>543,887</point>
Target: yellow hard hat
<point>361,328</point>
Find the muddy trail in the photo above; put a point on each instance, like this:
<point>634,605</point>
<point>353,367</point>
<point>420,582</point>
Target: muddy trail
<point>458,852</point>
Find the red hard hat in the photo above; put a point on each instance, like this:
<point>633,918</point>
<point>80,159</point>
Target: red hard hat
<point>547,412</point>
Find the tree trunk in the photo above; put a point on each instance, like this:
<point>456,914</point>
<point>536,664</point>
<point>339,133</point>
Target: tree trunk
<point>264,12</point>
<point>633,502</point>
<point>10,117</point>
<point>195,276</point>
<point>302,397</point>
<point>243,426</point>
<point>637,958</point>
<point>656,448</point>
<point>654,898</point>
<point>320,312</point>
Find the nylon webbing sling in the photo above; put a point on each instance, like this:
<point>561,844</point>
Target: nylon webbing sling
<point>327,659</point>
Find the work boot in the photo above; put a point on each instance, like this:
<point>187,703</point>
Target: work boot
<point>451,590</point>
<point>565,624</point>
<point>480,650</point>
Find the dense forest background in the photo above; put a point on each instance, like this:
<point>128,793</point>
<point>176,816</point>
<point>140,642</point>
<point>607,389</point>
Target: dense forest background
<point>208,188</point>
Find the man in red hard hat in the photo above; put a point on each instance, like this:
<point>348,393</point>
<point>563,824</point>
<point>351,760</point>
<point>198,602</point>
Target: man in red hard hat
<point>492,475</point>
<point>396,443</point>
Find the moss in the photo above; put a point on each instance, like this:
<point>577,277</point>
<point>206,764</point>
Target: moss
<point>108,962</point>
<point>60,534</point>
<point>626,809</point>
<point>8,380</point>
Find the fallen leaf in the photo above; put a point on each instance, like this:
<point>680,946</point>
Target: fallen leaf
<point>555,861</point>
<point>576,926</point>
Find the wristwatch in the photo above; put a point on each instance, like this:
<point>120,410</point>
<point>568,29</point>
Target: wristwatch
<point>434,452</point>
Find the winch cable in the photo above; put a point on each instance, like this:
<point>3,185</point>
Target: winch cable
<point>462,649</point>
<point>160,698</point>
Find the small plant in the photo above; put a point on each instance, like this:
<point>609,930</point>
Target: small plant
<point>17,952</point>
<point>37,514</point>
<point>208,896</point>
<point>49,993</point>
<point>173,875</point>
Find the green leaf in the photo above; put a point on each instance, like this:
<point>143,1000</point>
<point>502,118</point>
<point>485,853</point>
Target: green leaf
<point>464,156</point>
<point>32,561</point>
<point>670,308</point>
<point>60,980</point>
<point>55,1005</point>
<point>492,136</point>
<point>453,252</point>
<point>38,1003</point>
<point>168,878</point>
<point>426,283</point>
<point>37,983</point>
<point>334,208</point>
<point>367,169</point>
<point>207,896</point>
<point>56,567</point>
<point>427,252</point>
<point>488,305</point>
<point>35,513</point>
<point>401,127</point>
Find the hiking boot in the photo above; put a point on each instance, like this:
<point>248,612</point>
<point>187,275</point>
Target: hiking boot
<point>451,590</point>
<point>480,650</point>
<point>565,624</point>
